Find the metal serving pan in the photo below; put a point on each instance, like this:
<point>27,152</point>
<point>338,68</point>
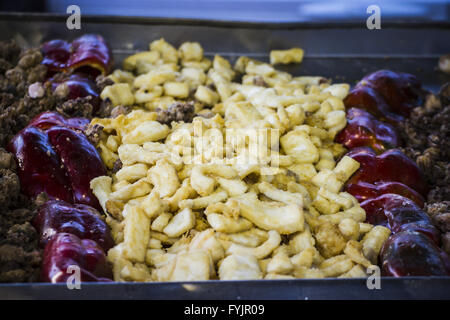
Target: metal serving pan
<point>344,52</point>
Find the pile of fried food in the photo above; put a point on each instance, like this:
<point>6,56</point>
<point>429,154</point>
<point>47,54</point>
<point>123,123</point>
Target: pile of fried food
<point>221,172</point>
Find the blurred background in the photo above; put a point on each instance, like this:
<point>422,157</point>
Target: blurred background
<point>246,10</point>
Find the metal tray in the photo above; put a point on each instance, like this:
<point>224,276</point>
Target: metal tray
<point>344,52</point>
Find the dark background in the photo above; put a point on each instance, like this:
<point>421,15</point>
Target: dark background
<point>246,10</point>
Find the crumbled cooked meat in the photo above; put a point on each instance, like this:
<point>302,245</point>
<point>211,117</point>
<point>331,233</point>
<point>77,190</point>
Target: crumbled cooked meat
<point>9,186</point>
<point>443,221</point>
<point>427,140</point>
<point>30,58</point>
<point>36,90</point>
<point>10,51</point>
<point>324,80</point>
<point>102,82</point>
<point>6,99</point>
<point>432,104</point>
<point>15,75</point>
<point>117,166</point>
<point>17,107</point>
<point>79,107</point>
<point>22,234</point>
<point>37,73</point>
<point>437,208</point>
<point>17,116</point>
<point>5,65</point>
<point>61,91</point>
<point>19,254</point>
<point>259,81</point>
<point>427,137</point>
<point>12,217</point>
<point>19,265</point>
<point>118,110</point>
<point>178,111</point>
<point>438,194</point>
<point>22,98</point>
<point>94,133</point>
<point>440,213</point>
<point>6,160</point>
<point>106,108</point>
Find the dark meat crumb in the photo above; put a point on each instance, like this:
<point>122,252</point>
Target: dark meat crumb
<point>117,166</point>
<point>178,111</point>
<point>440,213</point>
<point>17,108</point>
<point>118,110</point>
<point>37,73</point>
<point>94,133</point>
<point>5,65</point>
<point>10,51</point>
<point>19,254</point>
<point>79,107</point>
<point>438,194</point>
<point>427,137</point>
<point>443,221</point>
<point>61,91</point>
<point>9,186</point>
<point>427,140</point>
<point>6,160</point>
<point>259,81</point>
<point>36,90</point>
<point>16,76</point>
<point>102,82</point>
<point>19,265</point>
<point>30,58</point>
<point>22,234</point>
<point>106,108</point>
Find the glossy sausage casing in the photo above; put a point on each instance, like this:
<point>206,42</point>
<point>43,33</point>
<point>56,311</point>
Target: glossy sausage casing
<point>398,214</point>
<point>39,166</point>
<point>57,159</point>
<point>390,166</point>
<point>81,161</point>
<point>386,94</point>
<point>81,220</point>
<point>411,253</point>
<point>88,54</point>
<point>364,130</point>
<point>65,253</point>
